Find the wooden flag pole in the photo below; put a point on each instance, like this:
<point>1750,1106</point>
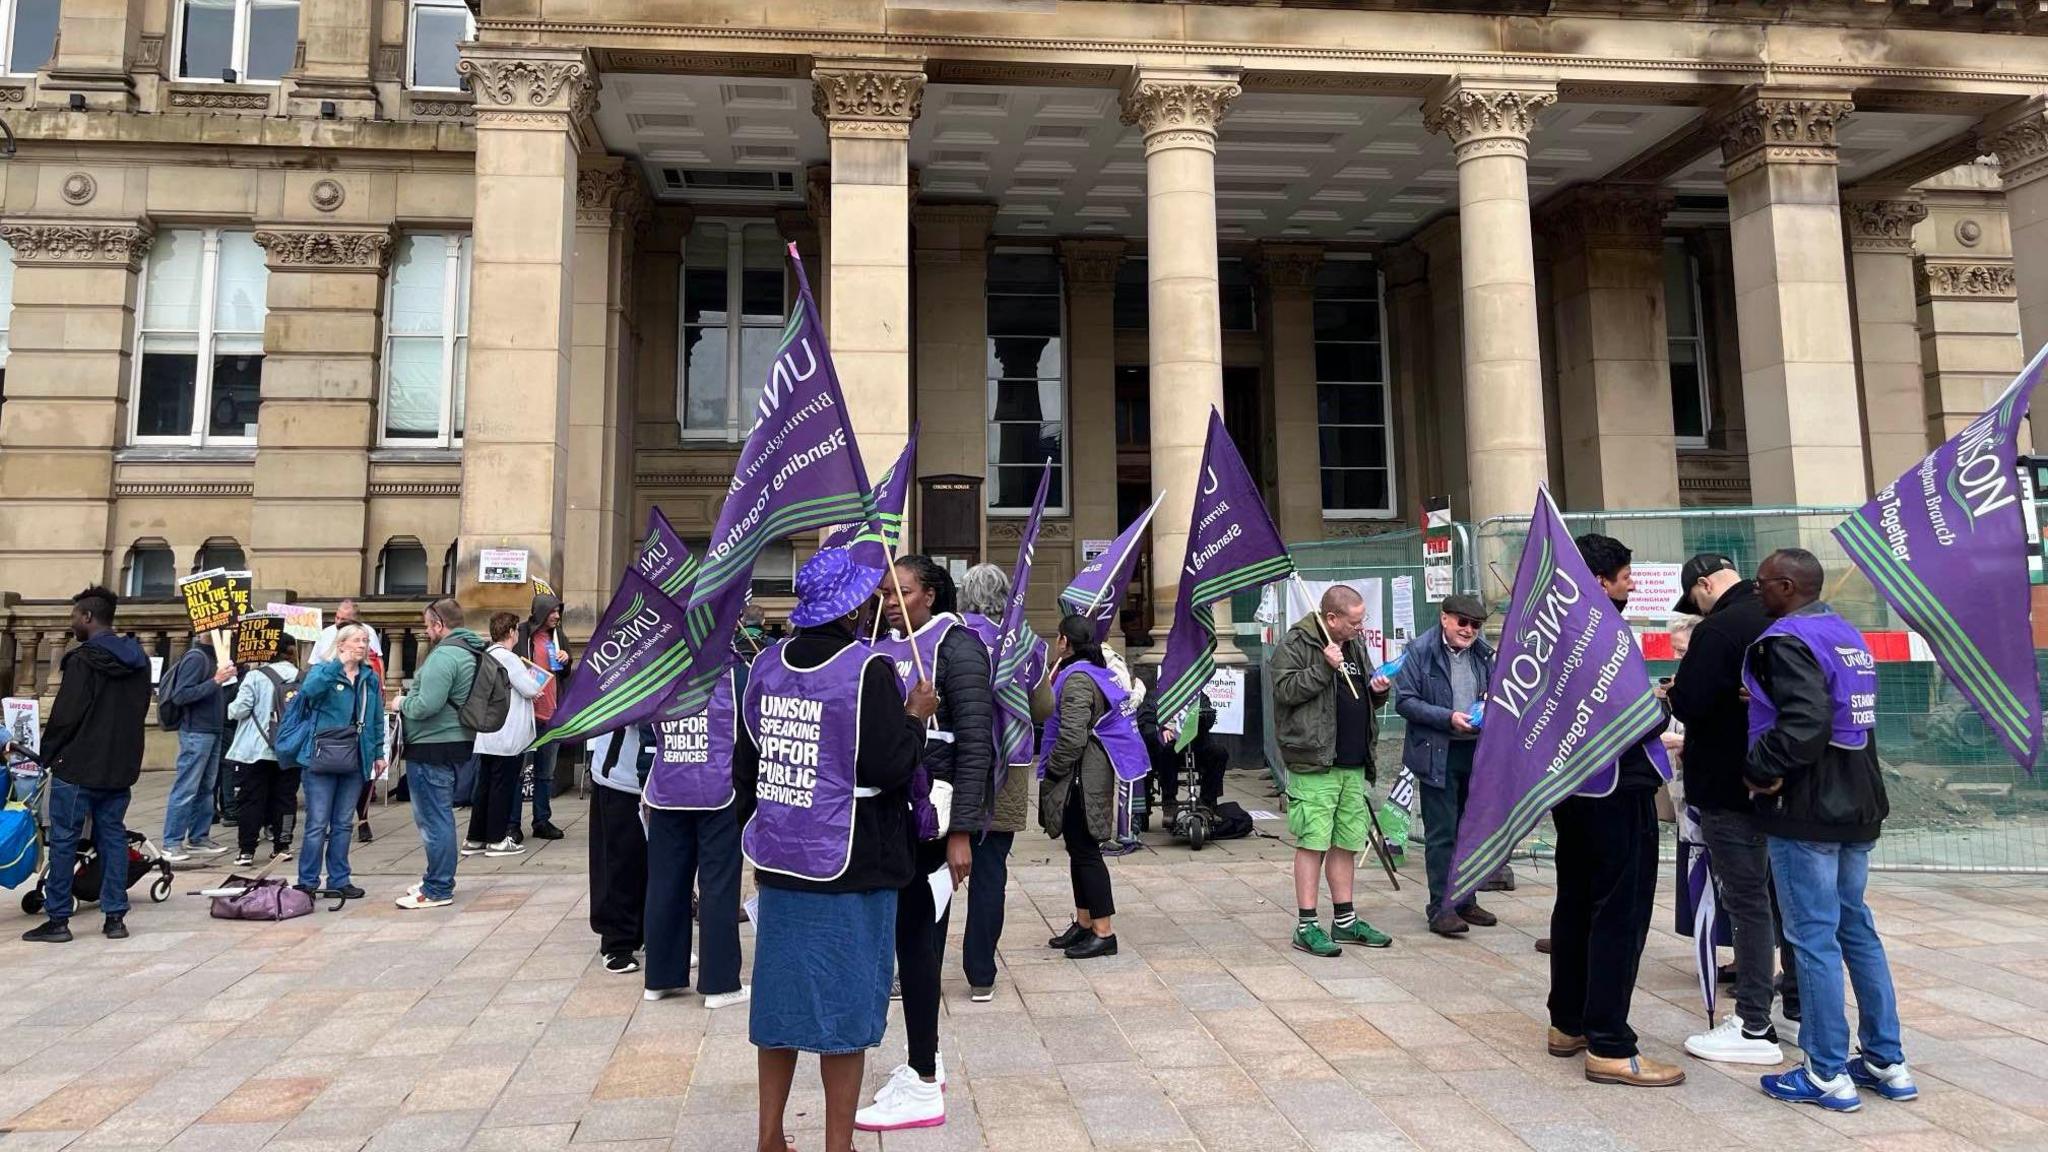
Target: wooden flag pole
<point>1095,601</point>
<point>909,633</point>
<point>1317,611</point>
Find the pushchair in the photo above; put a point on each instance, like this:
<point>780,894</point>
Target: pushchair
<point>143,857</point>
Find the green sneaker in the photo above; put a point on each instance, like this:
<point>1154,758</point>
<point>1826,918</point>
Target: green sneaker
<point>1361,933</point>
<point>1309,938</point>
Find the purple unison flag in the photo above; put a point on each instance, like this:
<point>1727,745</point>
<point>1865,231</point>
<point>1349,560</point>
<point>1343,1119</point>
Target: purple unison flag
<point>1233,545</point>
<point>1097,590</point>
<point>1569,695</point>
<point>1014,644</point>
<point>1946,546</point>
<point>639,649</point>
<point>1699,882</point>
<point>664,559</point>
<point>799,470</point>
<point>874,541</point>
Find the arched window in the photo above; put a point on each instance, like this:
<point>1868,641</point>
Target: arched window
<point>448,572</point>
<point>402,568</point>
<point>220,552</point>
<point>150,571</point>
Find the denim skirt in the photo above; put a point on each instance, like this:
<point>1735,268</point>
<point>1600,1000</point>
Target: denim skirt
<point>822,964</point>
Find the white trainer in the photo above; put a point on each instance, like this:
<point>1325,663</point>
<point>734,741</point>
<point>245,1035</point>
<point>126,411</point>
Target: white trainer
<point>728,999</point>
<point>663,993</point>
<point>504,847</point>
<point>911,1103</point>
<point>1725,1043</point>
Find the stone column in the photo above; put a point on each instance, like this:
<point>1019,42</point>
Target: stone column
<point>533,111</point>
<point>321,340</point>
<point>609,203</point>
<point>92,57</point>
<point>2020,140</point>
<point>867,107</point>
<point>1614,374</point>
<point>1880,226</point>
<point>1177,112</point>
<point>1792,297</point>
<point>339,37</point>
<point>1488,122</point>
<point>1420,472</point>
<point>1969,311</point>
<point>952,339</point>
<point>1090,274</point>
<point>72,338</point>
<point>1289,275</point>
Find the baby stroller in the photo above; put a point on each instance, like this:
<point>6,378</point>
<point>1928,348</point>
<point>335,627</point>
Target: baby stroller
<point>143,858</point>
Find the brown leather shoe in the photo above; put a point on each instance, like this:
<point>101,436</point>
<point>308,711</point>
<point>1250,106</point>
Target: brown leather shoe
<point>1543,945</point>
<point>1448,923</point>
<point>1565,1044</point>
<point>1633,1072</point>
<point>1479,917</point>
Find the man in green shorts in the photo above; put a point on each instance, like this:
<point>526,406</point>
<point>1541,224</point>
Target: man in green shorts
<point>1325,697</point>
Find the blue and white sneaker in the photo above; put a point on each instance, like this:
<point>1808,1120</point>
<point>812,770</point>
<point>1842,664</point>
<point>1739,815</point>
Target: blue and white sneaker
<point>1892,1083</point>
<point>1801,1086</point>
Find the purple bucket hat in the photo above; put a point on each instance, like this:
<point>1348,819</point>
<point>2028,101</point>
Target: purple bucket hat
<point>829,586</point>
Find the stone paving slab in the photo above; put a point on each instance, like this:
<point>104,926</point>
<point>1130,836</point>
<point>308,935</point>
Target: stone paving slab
<point>491,1026</point>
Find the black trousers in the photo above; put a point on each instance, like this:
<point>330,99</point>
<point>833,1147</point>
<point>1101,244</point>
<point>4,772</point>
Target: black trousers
<point>700,849</point>
<point>266,796</point>
<point>1085,867</point>
<point>1442,808</point>
<point>1606,883</point>
<point>985,890</point>
<point>496,802</point>
<point>920,955</point>
<point>1209,765</point>
<point>618,870</point>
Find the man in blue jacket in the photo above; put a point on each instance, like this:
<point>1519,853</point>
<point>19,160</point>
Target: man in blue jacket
<point>1447,671</point>
<point>192,687</point>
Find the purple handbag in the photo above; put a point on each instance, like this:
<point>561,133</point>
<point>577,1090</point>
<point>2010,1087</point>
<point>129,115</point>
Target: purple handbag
<point>262,898</point>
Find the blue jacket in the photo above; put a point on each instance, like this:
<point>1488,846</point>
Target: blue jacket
<point>205,703</point>
<point>335,703</point>
<point>1423,698</point>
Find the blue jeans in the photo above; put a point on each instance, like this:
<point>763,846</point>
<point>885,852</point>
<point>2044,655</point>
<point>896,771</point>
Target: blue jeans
<point>188,815</point>
<point>1820,893</point>
<point>69,807</point>
<point>330,820</point>
<point>433,813</point>
<point>542,767</point>
<point>985,890</point>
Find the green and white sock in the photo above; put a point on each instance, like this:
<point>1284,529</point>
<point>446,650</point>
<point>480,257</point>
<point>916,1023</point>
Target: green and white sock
<point>1345,917</point>
<point>1304,917</point>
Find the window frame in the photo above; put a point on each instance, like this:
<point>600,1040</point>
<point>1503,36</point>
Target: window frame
<point>1060,507</point>
<point>9,11</point>
<point>736,425</point>
<point>1386,385</point>
<point>412,9</point>
<point>202,367</point>
<point>238,50</point>
<point>131,573</point>
<point>454,340</point>
<point>1698,340</point>
<point>410,543</point>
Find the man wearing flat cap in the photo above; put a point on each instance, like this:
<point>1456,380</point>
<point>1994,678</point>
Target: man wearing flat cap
<point>1446,673</point>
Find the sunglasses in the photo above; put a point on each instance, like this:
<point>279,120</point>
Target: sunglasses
<point>1467,621</point>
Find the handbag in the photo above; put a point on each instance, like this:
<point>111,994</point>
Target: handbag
<point>262,898</point>
<point>339,751</point>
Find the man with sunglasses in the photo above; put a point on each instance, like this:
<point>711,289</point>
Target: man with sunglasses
<point>1446,673</point>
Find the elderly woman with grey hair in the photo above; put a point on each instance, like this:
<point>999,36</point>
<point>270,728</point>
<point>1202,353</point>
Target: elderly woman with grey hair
<point>984,594</point>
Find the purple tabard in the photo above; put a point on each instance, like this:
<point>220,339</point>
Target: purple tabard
<point>1845,661</point>
<point>1117,734</point>
<point>927,639</point>
<point>806,723</point>
<point>693,759</point>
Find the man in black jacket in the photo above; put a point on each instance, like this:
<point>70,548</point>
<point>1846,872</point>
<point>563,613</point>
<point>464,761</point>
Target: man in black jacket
<point>1820,797</point>
<point>93,748</point>
<point>1706,697</point>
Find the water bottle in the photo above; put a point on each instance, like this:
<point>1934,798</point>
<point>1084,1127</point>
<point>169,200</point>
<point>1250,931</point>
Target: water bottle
<point>1478,714</point>
<point>1392,668</point>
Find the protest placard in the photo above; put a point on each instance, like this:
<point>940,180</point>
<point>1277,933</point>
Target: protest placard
<point>257,638</point>
<point>211,602</point>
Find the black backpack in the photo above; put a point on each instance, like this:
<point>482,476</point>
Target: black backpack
<point>169,715</point>
<point>490,694</point>
<point>1232,822</point>
<point>282,693</point>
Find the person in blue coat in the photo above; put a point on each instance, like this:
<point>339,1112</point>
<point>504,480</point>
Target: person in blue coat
<point>1446,672</point>
<point>340,693</point>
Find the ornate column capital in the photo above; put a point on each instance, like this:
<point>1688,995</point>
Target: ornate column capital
<point>818,192</point>
<point>872,99</point>
<point>1608,216</point>
<point>1288,267</point>
<point>1937,278</point>
<point>297,249</point>
<point>526,87</point>
<point>79,243</point>
<point>606,190</point>
<point>1882,221</point>
<point>1487,117</point>
<point>1178,109</point>
<point>1091,263</point>
<point>2019,138</point>
<point>1781,126</point>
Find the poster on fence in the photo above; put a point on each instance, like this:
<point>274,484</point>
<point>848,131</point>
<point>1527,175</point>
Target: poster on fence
<point>1402,630</point>
<point>24,726</point>
<point>257,638</point>
<point>502,565</point>
<point>1436,568</point>
<point>215,598</point>
<point>1226,691</point>
<point>1373,630</point>
<point>300,623</point>
<point>1656,590</point>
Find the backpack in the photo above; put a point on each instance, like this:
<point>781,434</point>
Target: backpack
<point>490,694</point>
<point>282,693</point>
<point>1232,822</point>
<point>169,715</point>
<point>292,737</point>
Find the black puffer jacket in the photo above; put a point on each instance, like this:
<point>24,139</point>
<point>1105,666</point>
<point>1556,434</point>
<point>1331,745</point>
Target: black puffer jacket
<point>967,709</point>
<point>1829,793</point>
<point>94,737</point>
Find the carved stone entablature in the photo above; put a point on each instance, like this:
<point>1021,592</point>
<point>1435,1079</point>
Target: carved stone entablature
<point>1882,223</point>
<point>292,249</point>
<point>70,243</point>
<point>698,63</point>
<point>1965,279</point>
<point>1178,110</point>
<point>1357,529</point>
<point>1608,216</point>
<point>529,90</point>
<point>1782,127</point>
<point>1006,530</point>
<point>415,488</point>
<point>1091,263</point>
<point>1485,117</point>
<point>868,98</point>
<point>1289,267</point>
<point>220,99</point>
<point>443,109</point>
<point>2020,141</point>
<point>184,488</point>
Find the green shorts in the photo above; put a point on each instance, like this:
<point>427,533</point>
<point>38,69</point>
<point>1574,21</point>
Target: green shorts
<point>1327,809</point>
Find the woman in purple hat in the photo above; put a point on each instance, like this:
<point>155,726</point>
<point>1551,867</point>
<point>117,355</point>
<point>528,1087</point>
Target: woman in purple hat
<point>826,750</point>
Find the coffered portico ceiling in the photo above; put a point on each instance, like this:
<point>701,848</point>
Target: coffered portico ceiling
<point>1057,160</point>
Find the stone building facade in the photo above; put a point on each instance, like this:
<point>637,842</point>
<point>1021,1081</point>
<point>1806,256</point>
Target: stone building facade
<point>350,290</point>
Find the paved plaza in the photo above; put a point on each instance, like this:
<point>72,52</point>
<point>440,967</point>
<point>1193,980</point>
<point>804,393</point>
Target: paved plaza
<point>491,1026</point>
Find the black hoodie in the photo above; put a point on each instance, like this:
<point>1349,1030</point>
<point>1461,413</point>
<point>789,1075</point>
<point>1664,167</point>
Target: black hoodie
<point>94,737</point>
<point>544,606</point>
